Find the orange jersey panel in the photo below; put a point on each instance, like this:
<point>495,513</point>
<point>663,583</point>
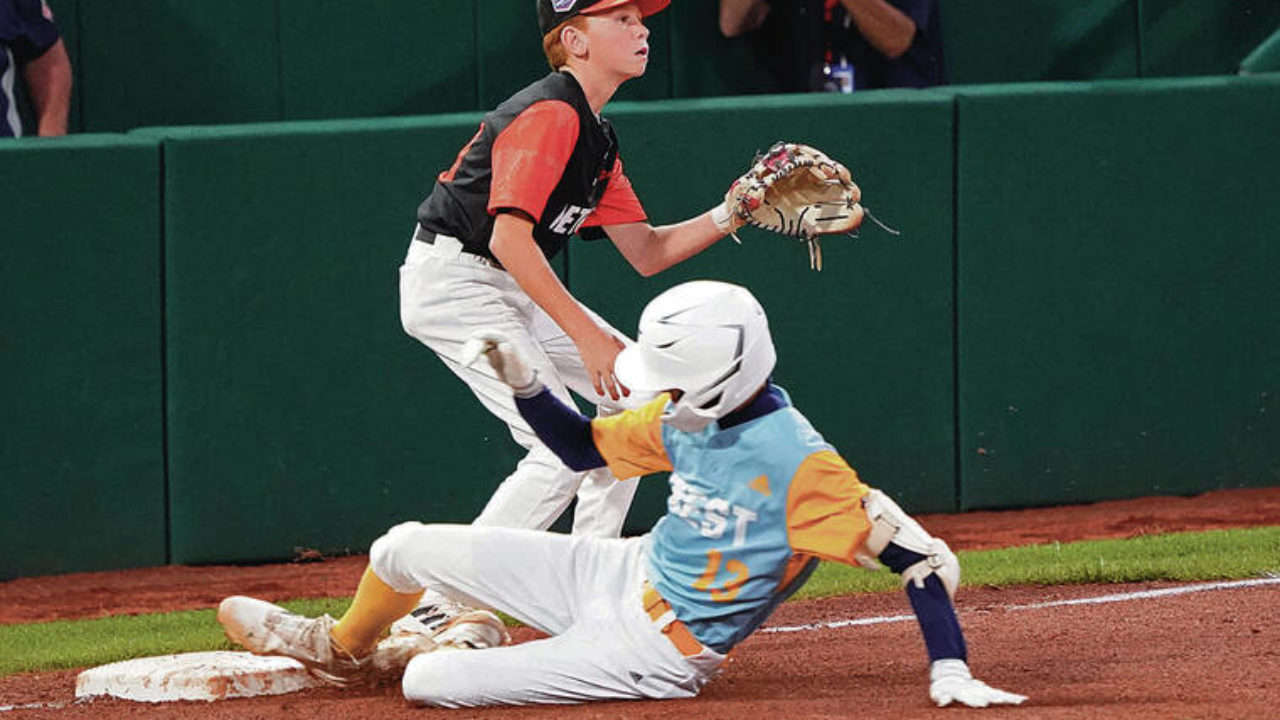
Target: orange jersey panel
<point>631,441</point>
<point>824,509</point>
<point>619,204</point>
<point>530,155</point>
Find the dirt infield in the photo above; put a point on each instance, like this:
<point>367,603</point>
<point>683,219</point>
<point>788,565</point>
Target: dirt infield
<point>1208,655</point>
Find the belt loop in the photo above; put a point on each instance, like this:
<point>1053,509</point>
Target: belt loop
<point>422,234</point>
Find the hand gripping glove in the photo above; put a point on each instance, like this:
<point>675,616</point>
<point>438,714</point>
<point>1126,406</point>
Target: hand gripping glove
<point>500,351</point>
<point>950,681</point>
<point>797,191</point>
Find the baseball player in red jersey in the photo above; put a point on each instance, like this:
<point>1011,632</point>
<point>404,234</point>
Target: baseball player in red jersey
<point>757,498</point>
<point>543,166</point>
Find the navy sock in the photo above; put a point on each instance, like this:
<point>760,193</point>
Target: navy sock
<point>937,618</point>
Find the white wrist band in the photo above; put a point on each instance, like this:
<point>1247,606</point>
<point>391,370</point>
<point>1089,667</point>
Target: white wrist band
<point>533,387</point>
<point>723,219</point>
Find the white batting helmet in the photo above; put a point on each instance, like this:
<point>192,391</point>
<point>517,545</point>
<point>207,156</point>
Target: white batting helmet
<point>709,340</point>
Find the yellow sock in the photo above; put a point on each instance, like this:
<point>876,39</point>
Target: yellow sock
<point>375,607</point>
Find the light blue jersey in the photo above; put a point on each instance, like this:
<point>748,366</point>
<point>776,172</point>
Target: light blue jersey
<point>721,555</point>
<point>755,498</point>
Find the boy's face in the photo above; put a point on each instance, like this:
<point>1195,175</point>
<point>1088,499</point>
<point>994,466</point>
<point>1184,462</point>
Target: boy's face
<point>619,41</point>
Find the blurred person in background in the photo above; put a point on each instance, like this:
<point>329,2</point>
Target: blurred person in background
<point>30,43</point>
<point>842,45</point>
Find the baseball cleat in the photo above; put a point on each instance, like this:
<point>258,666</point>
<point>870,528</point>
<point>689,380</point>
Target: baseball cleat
<point>267,629</point>
<point>391,656</point>
<point>473,630</point>
<point>430,618</point>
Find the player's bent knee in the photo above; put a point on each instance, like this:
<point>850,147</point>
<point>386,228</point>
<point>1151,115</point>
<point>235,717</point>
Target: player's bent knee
<point>890,524</point>
<point>392,556</point>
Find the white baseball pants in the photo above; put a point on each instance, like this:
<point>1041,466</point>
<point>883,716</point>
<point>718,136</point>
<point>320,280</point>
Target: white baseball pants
<point>446,295</point>
<point>584,591</point>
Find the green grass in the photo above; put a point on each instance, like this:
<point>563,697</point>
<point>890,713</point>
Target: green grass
<point>1212,555</point>
<point>80,643</point>
<point>1215,555</point>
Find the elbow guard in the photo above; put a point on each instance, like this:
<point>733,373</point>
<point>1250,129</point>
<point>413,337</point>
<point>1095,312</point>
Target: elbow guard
<point>889,524</point>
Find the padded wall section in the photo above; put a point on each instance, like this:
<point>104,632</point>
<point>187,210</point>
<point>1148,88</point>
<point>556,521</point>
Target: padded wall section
<point>1117,291</point>
<point>865,346</point>
<point>996,41</point>
<point>1264,58</point>
<point>301,414</point>
<point>1203,37</point>
<point>391,57</point>
<point>81,461</point>
<point>509,51</point>
<point>174,62</point>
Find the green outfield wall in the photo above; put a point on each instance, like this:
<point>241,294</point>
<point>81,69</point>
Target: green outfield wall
<point>865,346</point>
<point>1117,322</point>
<point>300,414</point>
<point>82,481</point>
<point>203,360</point>
<point>1265,58</point>
<point>1202,37</point>
<point>199,62</point>
<point>994,40</point>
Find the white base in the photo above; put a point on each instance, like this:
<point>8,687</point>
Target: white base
<point>194,676</point>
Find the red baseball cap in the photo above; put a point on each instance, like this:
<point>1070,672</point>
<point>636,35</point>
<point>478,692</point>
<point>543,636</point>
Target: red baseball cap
<point>553,12</point>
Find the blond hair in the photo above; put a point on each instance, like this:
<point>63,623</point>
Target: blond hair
<point>553,47</point>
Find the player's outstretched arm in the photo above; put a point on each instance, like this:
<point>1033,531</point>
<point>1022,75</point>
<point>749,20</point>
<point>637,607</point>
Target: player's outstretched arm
<point>930,574</point>
<point>564,430</point>
<point>862,525</point>
<point>650,250</point>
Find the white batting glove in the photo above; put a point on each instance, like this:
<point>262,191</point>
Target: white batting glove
<point>950,681</point>
<point>501,353</point>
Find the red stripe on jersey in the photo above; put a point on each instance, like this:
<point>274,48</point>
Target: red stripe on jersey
<point>448,175</point>
<point>619,204</point>
<point>530,155</point>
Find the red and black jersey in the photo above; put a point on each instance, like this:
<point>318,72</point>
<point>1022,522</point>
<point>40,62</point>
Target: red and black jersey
<point>543,152</point>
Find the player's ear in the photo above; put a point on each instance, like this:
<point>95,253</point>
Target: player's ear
<point>574,40</point>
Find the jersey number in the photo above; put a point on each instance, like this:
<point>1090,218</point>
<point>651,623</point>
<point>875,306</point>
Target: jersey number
<point>729,591</point>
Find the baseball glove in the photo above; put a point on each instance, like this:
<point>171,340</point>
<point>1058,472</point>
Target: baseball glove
<point>797,191</point>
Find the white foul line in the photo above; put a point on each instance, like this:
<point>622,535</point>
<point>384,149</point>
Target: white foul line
<point>35,706</point>
<point>1119,597</point>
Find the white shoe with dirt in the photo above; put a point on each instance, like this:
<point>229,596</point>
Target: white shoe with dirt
<point>472,630</point>
<point>267,629</point>
<point>434,612</point>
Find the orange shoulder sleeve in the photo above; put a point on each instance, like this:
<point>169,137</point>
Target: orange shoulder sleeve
<point>529,157</point>
<point>631,441</point>
<point>619,204</point>
<point>824,508</point>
